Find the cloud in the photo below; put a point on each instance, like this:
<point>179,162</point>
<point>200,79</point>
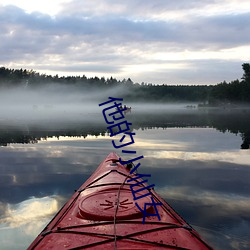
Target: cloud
<point>157,9</point>
<point>116,30</point>
<point>126,39</point>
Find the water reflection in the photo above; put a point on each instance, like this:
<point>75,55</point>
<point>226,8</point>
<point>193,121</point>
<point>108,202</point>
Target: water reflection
<point>233,121</point>
<point>29,210</point>
<point>198,169</point>
<point>20,222</point>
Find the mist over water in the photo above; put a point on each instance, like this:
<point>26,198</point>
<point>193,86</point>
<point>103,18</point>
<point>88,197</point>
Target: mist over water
<point>60,102</point>
<point>194,156</point>
<point>55,102</point>
<point>59,107</point>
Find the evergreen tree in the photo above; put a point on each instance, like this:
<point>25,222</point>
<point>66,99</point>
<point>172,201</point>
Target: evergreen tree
<point>246,69</point>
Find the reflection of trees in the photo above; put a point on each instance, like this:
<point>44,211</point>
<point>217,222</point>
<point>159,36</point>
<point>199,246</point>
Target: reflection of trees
<point>20,135</point>
<point>234,121</point>
<point>16,137</point>
<point>246,141</point>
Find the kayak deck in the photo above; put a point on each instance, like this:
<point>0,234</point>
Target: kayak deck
<point>102,213</point>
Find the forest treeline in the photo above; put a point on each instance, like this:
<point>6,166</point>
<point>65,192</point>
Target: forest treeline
<point>236,91</point>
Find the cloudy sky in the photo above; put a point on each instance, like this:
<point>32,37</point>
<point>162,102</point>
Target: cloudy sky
<point>157,41</point>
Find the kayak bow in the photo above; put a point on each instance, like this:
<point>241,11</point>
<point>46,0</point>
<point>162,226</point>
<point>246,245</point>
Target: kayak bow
<point>102,214</point>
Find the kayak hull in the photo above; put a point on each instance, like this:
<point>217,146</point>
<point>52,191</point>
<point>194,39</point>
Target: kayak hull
<point>103,213</point>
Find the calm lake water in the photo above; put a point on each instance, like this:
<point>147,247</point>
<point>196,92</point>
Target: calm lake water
<point>199,162</point>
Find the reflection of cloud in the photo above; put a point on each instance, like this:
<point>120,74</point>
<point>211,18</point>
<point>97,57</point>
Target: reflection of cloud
<point>164,145</point>
<point>60,157</point>
<point>236,157</point>
<point>25,220</point>
<point>222,219</point>
<point>29,212</point>
<point>2,209</point>
<point>202,144</point>
<point>229,203</point>
<point>220,240</point>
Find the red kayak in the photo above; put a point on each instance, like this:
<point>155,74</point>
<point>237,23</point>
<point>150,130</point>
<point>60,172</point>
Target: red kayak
<point>104,213</point>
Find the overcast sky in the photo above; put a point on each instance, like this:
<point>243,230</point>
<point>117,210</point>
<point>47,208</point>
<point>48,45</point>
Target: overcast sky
<point>157,41</point>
